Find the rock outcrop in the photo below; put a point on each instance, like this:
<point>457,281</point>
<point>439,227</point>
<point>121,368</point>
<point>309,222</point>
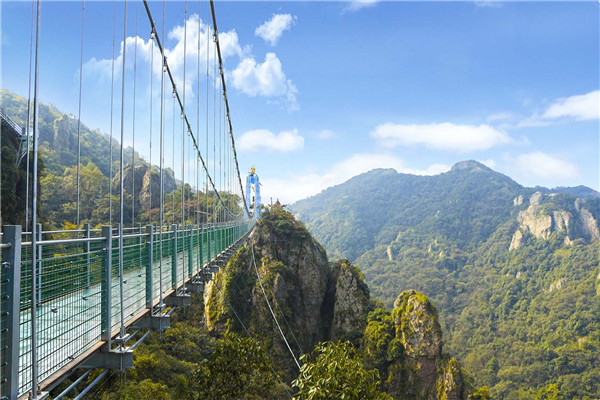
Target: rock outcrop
<point>146,183</point>
<point>312,300</point>
<point>544,217</point>
<point>409,340</point>
<point>316,301</point>
<point>351,301</point>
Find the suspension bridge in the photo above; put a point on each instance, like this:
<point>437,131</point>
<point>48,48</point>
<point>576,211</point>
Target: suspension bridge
<point>85,298</point>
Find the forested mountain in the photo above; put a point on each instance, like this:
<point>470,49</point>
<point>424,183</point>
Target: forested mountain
<point>514,270</point>
<point>58,176</point>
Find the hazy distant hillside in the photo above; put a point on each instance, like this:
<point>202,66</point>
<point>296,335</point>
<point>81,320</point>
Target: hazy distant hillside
<point>514,270</point>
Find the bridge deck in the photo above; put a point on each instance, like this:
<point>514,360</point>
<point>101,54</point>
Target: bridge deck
<point>70,316</point>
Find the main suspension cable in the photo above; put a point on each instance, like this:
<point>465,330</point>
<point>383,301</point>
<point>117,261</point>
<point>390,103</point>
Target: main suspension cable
<point>216,33</point>
<point>180,103</point>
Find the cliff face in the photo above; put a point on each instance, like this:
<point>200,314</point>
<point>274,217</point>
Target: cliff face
<point>406,347</point>
<point>316,301</point>
<point>544,216</point>
<point>312,300</point>
<point>146,181</point>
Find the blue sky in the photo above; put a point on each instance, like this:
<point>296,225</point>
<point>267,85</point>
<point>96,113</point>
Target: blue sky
<point>322,91</point>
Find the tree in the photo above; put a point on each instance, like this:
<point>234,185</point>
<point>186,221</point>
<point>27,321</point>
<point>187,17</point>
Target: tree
<point>336,373</point>
<point>239,368</point>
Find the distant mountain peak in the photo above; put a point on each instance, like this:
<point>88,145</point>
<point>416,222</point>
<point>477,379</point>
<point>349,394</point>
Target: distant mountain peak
<point>469,165</point>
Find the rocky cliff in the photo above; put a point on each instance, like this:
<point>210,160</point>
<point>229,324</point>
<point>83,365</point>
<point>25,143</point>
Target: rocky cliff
<point>146,182</point>
<point>312,300</point>
<point>406,346</point>
<point>316,301</point>
<point>545,216</point>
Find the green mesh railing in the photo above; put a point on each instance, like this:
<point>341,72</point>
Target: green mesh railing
<point>69,295</point>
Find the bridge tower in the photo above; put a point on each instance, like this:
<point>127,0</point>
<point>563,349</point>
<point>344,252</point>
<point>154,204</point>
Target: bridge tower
<point>253,193</point>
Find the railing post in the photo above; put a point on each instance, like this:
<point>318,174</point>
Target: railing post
<point>207,242</point>
<point>11,299</point>
<point>190,262</point>
<point>106,288</point>
<point>149,266</point>
<point>88,272</point>
<point>40,256</point>
<point>199,244</point>
<point>174,258</point>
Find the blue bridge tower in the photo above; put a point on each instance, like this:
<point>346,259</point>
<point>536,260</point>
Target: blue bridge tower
<point>253,193</point>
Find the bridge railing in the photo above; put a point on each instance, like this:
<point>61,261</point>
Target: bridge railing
<point>73,310</point>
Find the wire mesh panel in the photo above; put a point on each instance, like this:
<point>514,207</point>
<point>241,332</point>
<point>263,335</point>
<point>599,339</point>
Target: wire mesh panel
<point>69,288</point>
<point>134,282</point>
<point>25,370</point>
<point>68,307</point>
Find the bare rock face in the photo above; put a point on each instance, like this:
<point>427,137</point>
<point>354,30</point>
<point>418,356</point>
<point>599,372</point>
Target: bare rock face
<point>589,225</point>
<point>311,300</point>
<point>540,225</point>
<point>517,240</point>
<point>535,198</point>
<point>410,343</point>
<point>450,383</point>
<point>351,301</point>
<point>557,285</point>
<point>541,221</point>
<point>517,201</point>
<point>417,325</point>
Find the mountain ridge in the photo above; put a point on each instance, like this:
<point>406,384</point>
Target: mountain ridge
<point>513,270</point>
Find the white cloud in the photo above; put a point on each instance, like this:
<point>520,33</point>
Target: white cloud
<point>196,28</point>
<point>356,5</point>
<point>265,79</point>
<point>579,107</point>
<point>325,134</point>
<point>442,136</point>
<point>308,184</point>
<point>546,166</point>
<point>272,29</point>
<point>262,139</point>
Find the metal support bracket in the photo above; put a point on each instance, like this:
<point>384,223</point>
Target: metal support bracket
<point>119,360</point>
<point>195,287</point>
<point>154,322</point>
<point>179,300</point>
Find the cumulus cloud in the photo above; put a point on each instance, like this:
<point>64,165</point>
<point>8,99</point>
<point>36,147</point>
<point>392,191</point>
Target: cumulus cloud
<point>546,166</point>
<point>265,79</point>
<point>184,43</point>
<point>579,107</point>
<point>442,136</point>
<point>308,184</point>
<point>263,139</point>
<point>270,31</point>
